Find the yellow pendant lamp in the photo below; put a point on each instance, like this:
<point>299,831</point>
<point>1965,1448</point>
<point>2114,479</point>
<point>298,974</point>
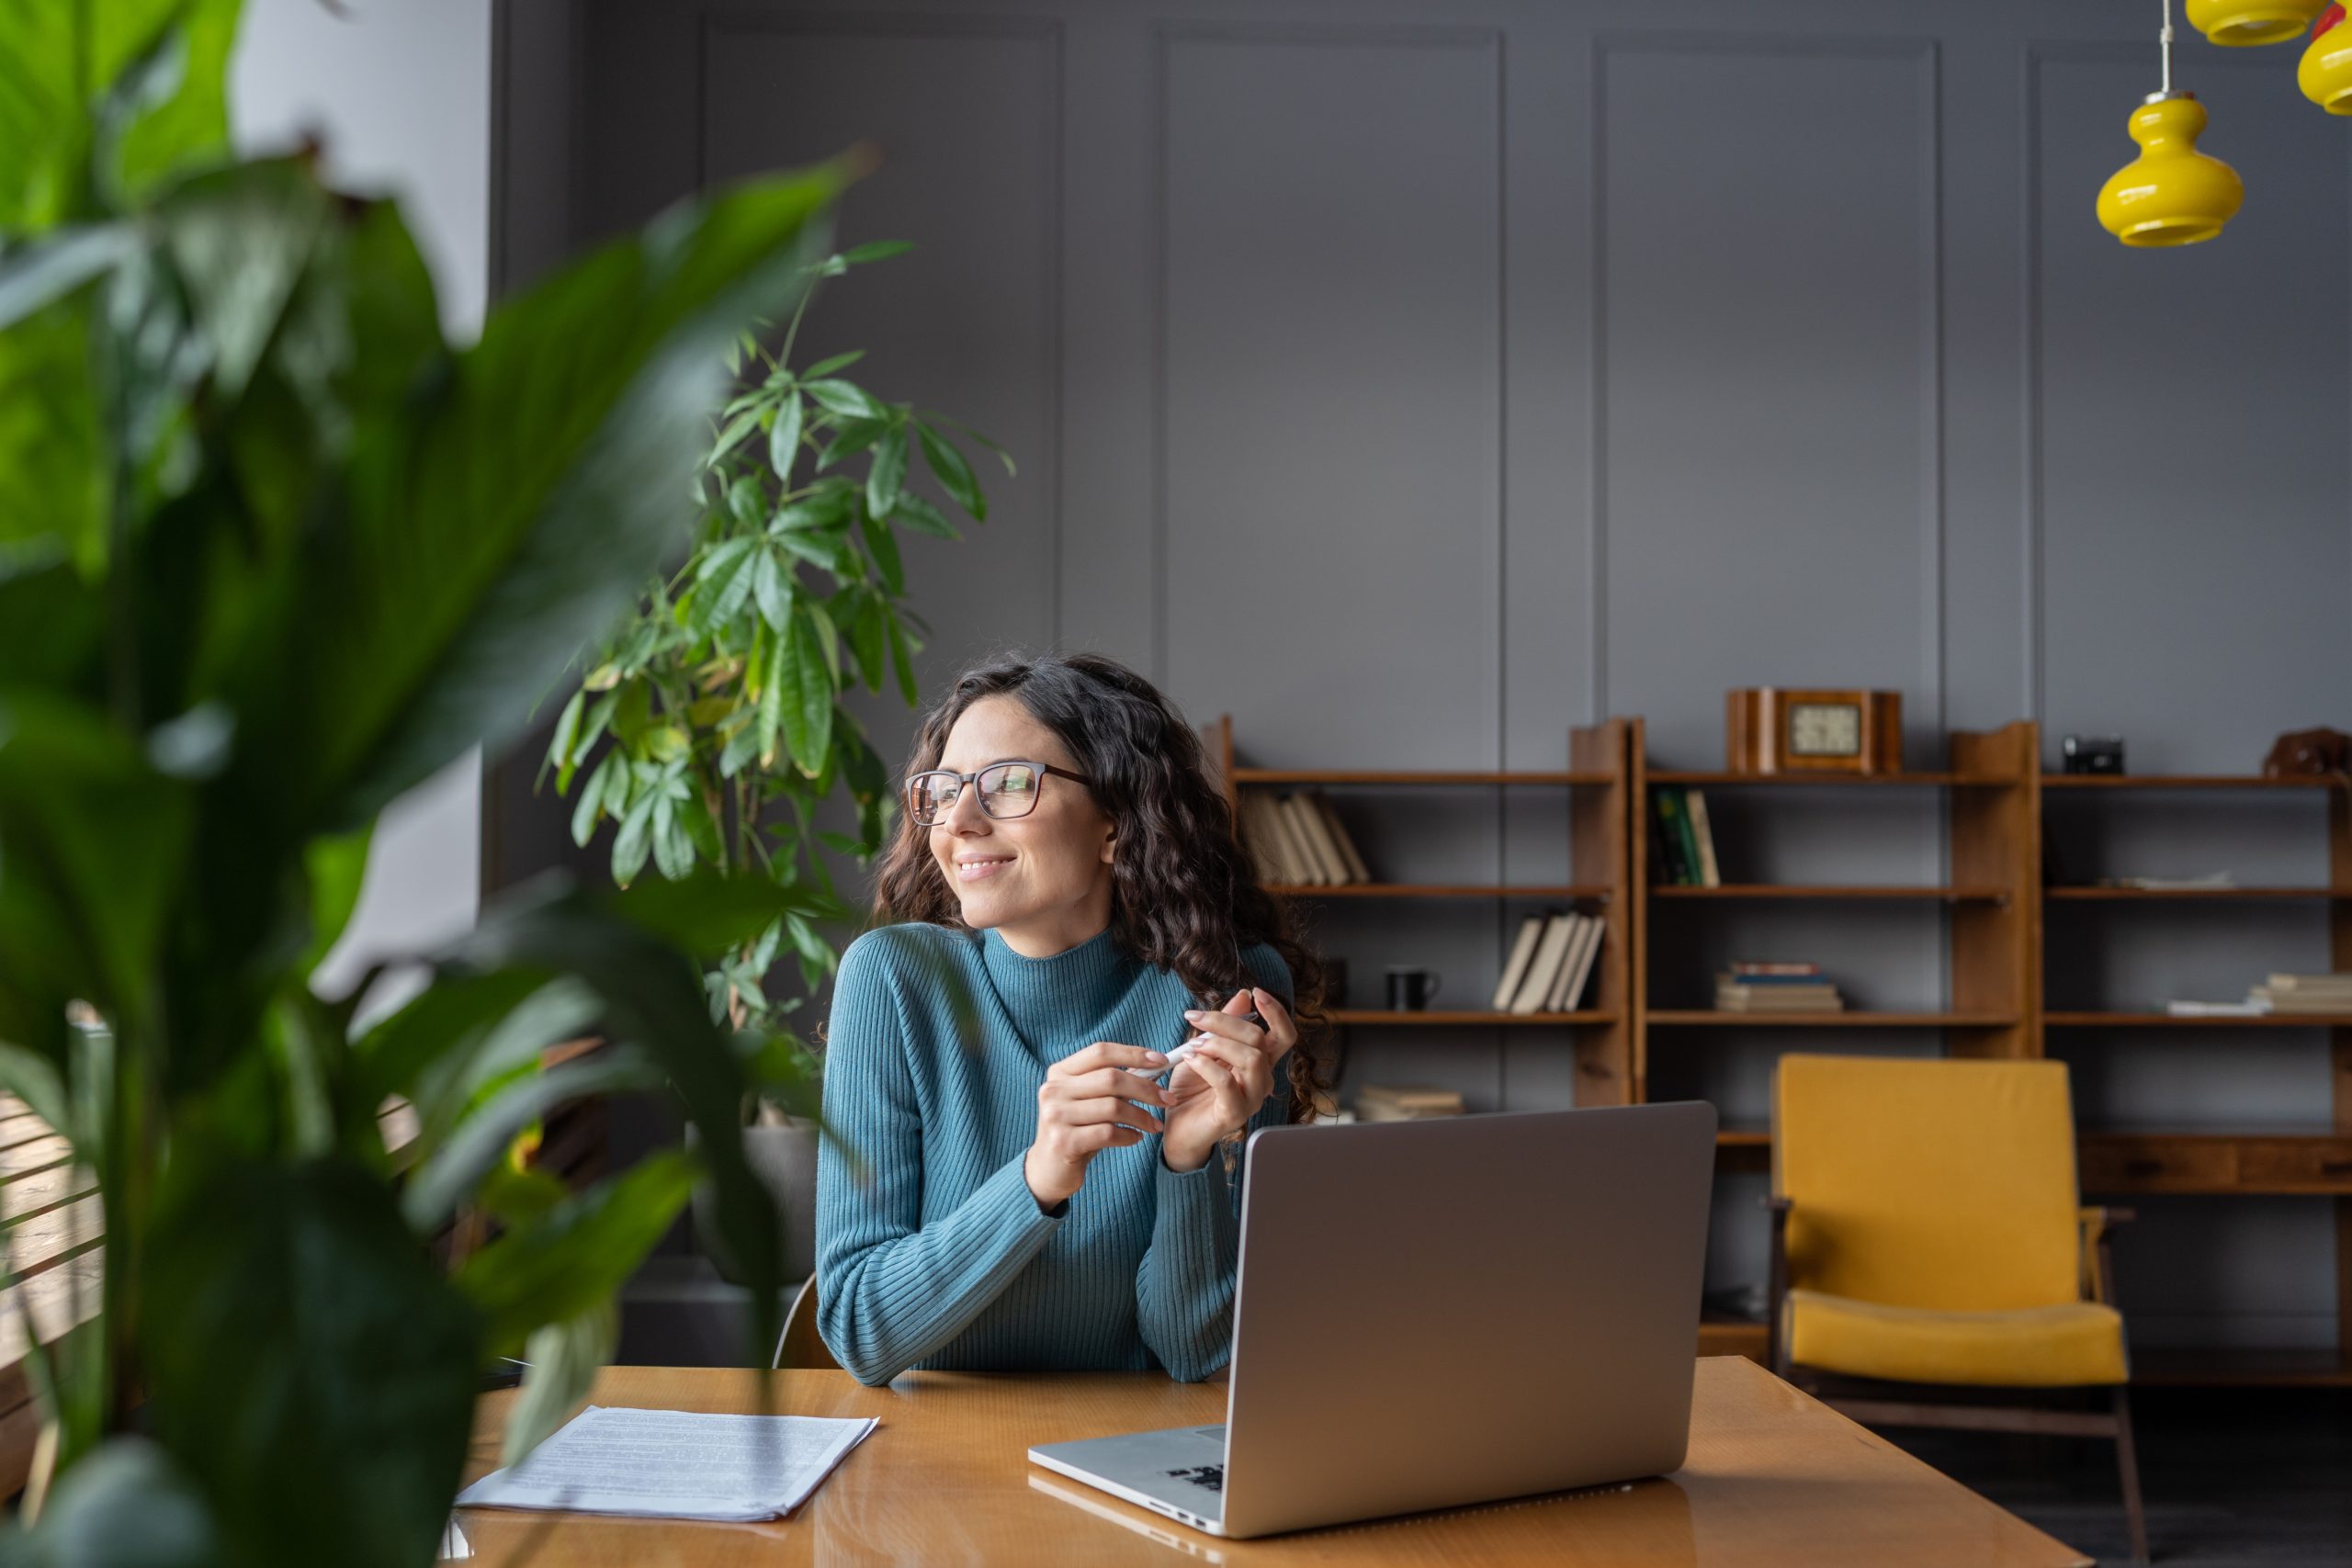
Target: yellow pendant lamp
<point>2325,75</point>
<point>2171,194</point>
<point>2235,22</point>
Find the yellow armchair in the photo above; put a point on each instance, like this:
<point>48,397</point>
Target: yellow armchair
<point>1926,1230</point>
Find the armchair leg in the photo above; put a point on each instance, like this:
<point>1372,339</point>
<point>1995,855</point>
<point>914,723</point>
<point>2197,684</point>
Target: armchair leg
<point>2127,1460</point>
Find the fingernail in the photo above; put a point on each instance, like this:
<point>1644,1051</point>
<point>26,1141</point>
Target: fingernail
<point>1195,1014</point>
<point>1153,1057</point>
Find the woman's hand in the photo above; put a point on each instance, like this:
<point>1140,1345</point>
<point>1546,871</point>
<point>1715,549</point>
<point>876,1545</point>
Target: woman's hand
<point>1082,1109</point>
<point>1217,1089</point>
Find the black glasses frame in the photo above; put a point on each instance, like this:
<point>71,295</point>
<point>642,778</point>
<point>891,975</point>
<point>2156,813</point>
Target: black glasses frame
<point>974,777</point>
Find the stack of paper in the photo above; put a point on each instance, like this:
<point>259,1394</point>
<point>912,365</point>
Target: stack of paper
<point>673,1464</point>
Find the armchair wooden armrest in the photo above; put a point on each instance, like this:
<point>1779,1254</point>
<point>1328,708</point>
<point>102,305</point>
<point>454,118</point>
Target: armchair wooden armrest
<point>2099,1270</point>
<point>1776,1288</point>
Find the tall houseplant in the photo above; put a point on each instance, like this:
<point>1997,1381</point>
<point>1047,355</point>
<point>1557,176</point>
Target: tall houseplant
<point>718,703</point>
<point>721,694</point>
<point>271,552</point>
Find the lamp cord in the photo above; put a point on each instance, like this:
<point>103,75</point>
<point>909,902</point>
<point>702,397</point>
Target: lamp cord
<point>2164,41</point>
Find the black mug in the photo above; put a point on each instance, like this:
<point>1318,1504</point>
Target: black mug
<point>1410,990</point>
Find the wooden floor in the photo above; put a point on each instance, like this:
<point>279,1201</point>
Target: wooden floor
<point>2234,1479</point>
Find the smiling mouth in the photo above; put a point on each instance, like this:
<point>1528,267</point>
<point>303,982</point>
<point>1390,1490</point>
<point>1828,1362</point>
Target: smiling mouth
<point>980,870</point>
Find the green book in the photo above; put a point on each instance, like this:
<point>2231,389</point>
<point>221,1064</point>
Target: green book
<point>1674,834</point>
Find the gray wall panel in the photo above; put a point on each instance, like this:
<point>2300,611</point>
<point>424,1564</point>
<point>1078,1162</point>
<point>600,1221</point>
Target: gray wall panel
<point>1769,376</point>
<point>1329,397</point>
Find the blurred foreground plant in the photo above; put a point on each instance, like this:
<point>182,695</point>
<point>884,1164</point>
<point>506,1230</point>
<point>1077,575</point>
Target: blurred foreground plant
<point>272,551</point>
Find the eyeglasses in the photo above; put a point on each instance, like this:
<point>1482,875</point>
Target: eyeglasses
<point>1007,790</point>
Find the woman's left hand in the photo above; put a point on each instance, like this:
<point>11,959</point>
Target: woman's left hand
<point>1217,1089</point>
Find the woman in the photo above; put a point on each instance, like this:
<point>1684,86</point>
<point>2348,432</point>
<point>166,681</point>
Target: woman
<point>1012,1186</point>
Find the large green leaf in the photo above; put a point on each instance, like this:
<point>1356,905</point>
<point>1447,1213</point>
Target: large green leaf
<point>576,1256</point>
<point>564,1361</point>
<point>306,1364</point>
<point>53,469</point>
<point>91,841</point>
<point>709,913</point>
<point>807,693</point>
<point>436,1187</point>
<point>61,60</point>
<point>492,538</point>
<point>126,1506</point>
<point>654,1004</point>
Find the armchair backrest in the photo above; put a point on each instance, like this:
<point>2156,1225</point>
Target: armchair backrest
<point>1929,1183</point>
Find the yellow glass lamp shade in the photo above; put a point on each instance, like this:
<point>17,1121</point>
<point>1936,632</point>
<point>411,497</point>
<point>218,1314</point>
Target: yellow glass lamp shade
<point>2325,75</point>
<point>2171,194</point>
<point>2252,21</point>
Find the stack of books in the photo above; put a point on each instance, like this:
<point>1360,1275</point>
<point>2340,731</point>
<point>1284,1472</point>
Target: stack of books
<point>2304,993</point>
<point>1405,1102</point>
<point>1682,849</point>
<point>1297,839</point>
<point>1549,964</point>
<point>1775,988</point>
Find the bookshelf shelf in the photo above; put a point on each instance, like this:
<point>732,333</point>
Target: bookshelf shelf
<point>2168,1020</point>
<point>1792,890</point>
<point>2180,781</point>
<point>1711,1018</point>
<point>1433,1016</point>
<point>1363,776</point>
<point>1598,1035</point>
<point>1715,777</point>
<point>1589,890</point>
<point>2309,1157</point>
<point>2064,892</point>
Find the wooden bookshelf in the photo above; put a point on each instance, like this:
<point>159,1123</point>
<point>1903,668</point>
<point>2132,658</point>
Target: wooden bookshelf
<point>2313,1158</point>
<point>1992,908</point>
<point>2173,1021</point>
<point>2179,781</point>
<point>1377,777</point>
<point>1567,893</point>
<point>2062,891</point>
<point>1831,890</point>
<point>1724,1018</point>
<point>1376,1016</point>
<point>1600,1034</point>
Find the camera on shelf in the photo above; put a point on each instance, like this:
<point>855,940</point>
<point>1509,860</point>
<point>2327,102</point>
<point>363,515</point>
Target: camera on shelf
<point>2092,753</point>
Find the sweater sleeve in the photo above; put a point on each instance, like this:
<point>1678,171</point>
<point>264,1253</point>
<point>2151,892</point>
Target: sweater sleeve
<point>891,1291</point>
<point>1185,1286</point>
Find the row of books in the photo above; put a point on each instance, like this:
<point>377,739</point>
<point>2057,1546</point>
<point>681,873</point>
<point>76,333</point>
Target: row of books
<point>1297,839</point>
<point>1683,848</point>
<point>1775,988</point>
<point>2305,993</point>
<point>1405,1103</point>
<point>2313,996</point>
<point>1550,962</point>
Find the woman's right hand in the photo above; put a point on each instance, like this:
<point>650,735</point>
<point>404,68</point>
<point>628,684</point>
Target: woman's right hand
<point>1082,1109</point>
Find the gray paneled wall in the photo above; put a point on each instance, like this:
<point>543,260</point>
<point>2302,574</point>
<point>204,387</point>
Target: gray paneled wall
<point>1416,378</point>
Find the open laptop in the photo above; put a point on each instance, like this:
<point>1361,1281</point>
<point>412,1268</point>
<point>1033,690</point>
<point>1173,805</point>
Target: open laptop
<point>1432,1314</point>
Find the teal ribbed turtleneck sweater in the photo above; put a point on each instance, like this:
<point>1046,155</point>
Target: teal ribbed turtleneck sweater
<point>937,1254</point>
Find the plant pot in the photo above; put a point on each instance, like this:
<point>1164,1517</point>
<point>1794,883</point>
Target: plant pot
<point>785,1158</point>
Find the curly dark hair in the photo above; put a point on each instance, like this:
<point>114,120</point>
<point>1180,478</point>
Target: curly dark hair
<point>1183,896</point>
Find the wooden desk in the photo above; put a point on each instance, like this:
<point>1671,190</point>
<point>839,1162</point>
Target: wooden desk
<point>1773,1478</point>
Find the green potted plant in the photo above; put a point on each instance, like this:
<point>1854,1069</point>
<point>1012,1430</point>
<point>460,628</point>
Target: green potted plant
<point>272,551</point>
<point>710,728</point>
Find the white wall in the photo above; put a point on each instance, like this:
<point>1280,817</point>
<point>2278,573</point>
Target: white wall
<point>399,93</point>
